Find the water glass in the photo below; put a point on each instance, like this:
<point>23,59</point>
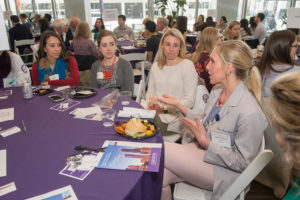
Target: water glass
<point>125,96</point>
<point>108,117</point>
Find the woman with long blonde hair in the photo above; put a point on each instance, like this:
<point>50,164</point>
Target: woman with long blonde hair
<point>174,75</point>
<point>230,134</point>
<point>209,39</point>
<point>285,109</point>
<point>232,32</point>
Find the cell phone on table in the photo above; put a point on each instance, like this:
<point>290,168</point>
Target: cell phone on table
<point>55,98</point>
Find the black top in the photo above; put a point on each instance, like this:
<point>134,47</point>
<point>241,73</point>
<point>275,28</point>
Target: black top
<point>19,32</point>
<point>152,44</point>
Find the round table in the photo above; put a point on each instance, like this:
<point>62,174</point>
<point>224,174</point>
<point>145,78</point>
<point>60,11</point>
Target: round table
<point>35,157</point>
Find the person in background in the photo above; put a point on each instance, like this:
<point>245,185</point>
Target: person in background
<point>278,57</point>
<point>173,75</point>
<point>245,31</point>
<point>13,71</point>
<point>181,25</point>
<point>99,26</point>
<point>209,39</point>
<point>18,32</point>
<point>153,40</point>
<point>36,19</point>
<point>285,109</point>
<point>48,17</point>
<point>170,18</point>
<point>162,25</point>
<point>74,21</point>
<point>259,32</point>
<point>123,31</point>
<point>252,23</point>
<point>222,24</point>
<point>59,27</point>
<point>111,72</point>
<point>233,112</point>
<point>54,65</point>
<point>82,44</point>
<point>143,33</point>
<point>208,23</point>
<point>198,24</point>
<point>232,32</point>
<point>23,18</point>
<point>43,25</point>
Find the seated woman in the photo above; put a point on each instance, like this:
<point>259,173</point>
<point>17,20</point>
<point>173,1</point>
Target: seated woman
<point>230,134</point>
<point>111,72</point>
<point>54,65</point>
<point>199,22</point>
<point>82,44</point>
<point>181,25</point>
<point>172,75</point>
<point>285,109</point>
<point>222,24</point>
<point>209,39</point>
<point>278,57</point>
<point>99,26</point>
<point>13,71</point>
<point>232,32</point>
<point>245,31</point>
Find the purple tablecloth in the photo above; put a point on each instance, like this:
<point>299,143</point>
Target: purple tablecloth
<point>191,39</point>
<point>35,157</point>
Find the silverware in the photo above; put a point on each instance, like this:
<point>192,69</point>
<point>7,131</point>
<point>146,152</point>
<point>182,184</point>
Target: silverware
<point>82,147</point>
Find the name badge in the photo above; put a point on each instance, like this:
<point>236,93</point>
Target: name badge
<point>221,139</point>
<point>54,77</point>
<point>100,75</point>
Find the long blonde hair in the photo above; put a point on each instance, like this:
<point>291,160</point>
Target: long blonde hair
<point>285,109</point>
<point>206,42</point>
<point>82,30</point>
<point>227,35</point>
<point>240,56</point>
<point>161,59</point>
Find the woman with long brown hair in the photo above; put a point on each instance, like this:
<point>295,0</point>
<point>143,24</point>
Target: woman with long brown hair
<point>54,65</point>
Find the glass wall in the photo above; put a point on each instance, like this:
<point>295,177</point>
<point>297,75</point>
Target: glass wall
<point>297,4</point>
<point>275,11</point>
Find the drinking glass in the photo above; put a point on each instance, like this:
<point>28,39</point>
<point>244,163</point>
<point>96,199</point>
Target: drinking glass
<point>108,117</point>
<point>125,96</point>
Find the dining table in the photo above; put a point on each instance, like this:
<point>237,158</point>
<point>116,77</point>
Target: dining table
<point>37,153</point>
<point>127,47</point>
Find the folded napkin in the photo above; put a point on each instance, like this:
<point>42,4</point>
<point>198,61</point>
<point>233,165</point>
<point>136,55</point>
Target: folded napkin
<point>82,112</point>
<point>136,112</point>
<point>128,47</point>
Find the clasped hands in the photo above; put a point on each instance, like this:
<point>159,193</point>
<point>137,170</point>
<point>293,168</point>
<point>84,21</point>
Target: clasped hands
<point>195,126</point>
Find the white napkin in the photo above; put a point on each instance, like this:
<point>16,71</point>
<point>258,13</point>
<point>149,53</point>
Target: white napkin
<point>128,47</point>
<point>136,112</point>
<point>82,112</point>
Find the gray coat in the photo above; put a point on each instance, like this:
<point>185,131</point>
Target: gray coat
<point>243,120</point>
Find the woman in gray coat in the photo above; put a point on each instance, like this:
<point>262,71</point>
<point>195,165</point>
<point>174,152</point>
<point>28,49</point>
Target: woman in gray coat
<point>230,133</point>
<point>111,72</point>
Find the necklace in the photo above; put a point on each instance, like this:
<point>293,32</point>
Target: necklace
<point>107,74</point>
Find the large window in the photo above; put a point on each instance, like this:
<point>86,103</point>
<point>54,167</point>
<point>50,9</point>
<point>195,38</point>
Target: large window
<point>274,10</point>
<point>297,4</point>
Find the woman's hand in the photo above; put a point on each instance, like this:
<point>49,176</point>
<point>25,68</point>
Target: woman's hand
<point>167,100</point>
<point>198,130</point>
<point>155,106</point>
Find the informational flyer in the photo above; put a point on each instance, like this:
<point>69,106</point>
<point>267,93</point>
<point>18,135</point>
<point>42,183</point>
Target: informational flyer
<point>59,194</point>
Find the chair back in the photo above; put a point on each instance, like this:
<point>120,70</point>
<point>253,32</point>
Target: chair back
<point>26,53</point>
<point>84,62</point>
<point>139,90</point>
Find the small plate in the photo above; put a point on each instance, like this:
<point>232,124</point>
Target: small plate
<point>81,93</point>
<point>42,92</point>
<point>119,123</point>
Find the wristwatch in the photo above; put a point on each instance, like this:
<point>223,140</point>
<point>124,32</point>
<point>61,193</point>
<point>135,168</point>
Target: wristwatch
<point>165,109</point>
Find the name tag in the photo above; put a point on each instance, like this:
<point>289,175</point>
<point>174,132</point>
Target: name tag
<point>221,139</point>
<point>54,77</point>
<point>100,75</point>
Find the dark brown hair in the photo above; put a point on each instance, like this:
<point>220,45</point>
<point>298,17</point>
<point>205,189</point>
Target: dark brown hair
<point>64,55</point>
<point>5,62</point>
<point>277,49</point>
<point>102,34</point>
<point>182,24</point>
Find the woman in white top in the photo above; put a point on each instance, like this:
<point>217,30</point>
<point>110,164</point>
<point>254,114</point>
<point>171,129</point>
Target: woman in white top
<point>172,75</point>
<point>13,71</point>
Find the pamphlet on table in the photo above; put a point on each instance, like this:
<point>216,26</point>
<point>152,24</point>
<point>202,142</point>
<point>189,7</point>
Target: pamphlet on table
<point>10,131</point>
<point>7,114</point>
<point>131,156</point>
<point>2,162</point>
<point>8,188</point>
<point>59,194</point>
<point>63,106</point>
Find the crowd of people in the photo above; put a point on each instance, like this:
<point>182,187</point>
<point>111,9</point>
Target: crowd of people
<point>229,133</point>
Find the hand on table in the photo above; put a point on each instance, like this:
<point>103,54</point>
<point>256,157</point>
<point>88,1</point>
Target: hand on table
<point>198,130</point>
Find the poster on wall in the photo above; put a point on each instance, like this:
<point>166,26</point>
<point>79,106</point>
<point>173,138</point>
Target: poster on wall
<point>293,19</point>
<point>110,15</point>
<point>3,36</point>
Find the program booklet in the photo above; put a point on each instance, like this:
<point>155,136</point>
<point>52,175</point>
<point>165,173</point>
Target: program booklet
<point>131,156</point>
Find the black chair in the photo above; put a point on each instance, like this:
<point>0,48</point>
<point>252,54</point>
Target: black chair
<point>84,62</point>
<point>252,43</point>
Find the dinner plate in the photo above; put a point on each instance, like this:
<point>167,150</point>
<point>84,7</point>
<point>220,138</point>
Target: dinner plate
<point>119,123</point>
<point>81,93</point>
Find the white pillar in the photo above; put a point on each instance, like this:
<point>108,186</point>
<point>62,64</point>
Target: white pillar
<point>80,9</point>
<point>228,8</point>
